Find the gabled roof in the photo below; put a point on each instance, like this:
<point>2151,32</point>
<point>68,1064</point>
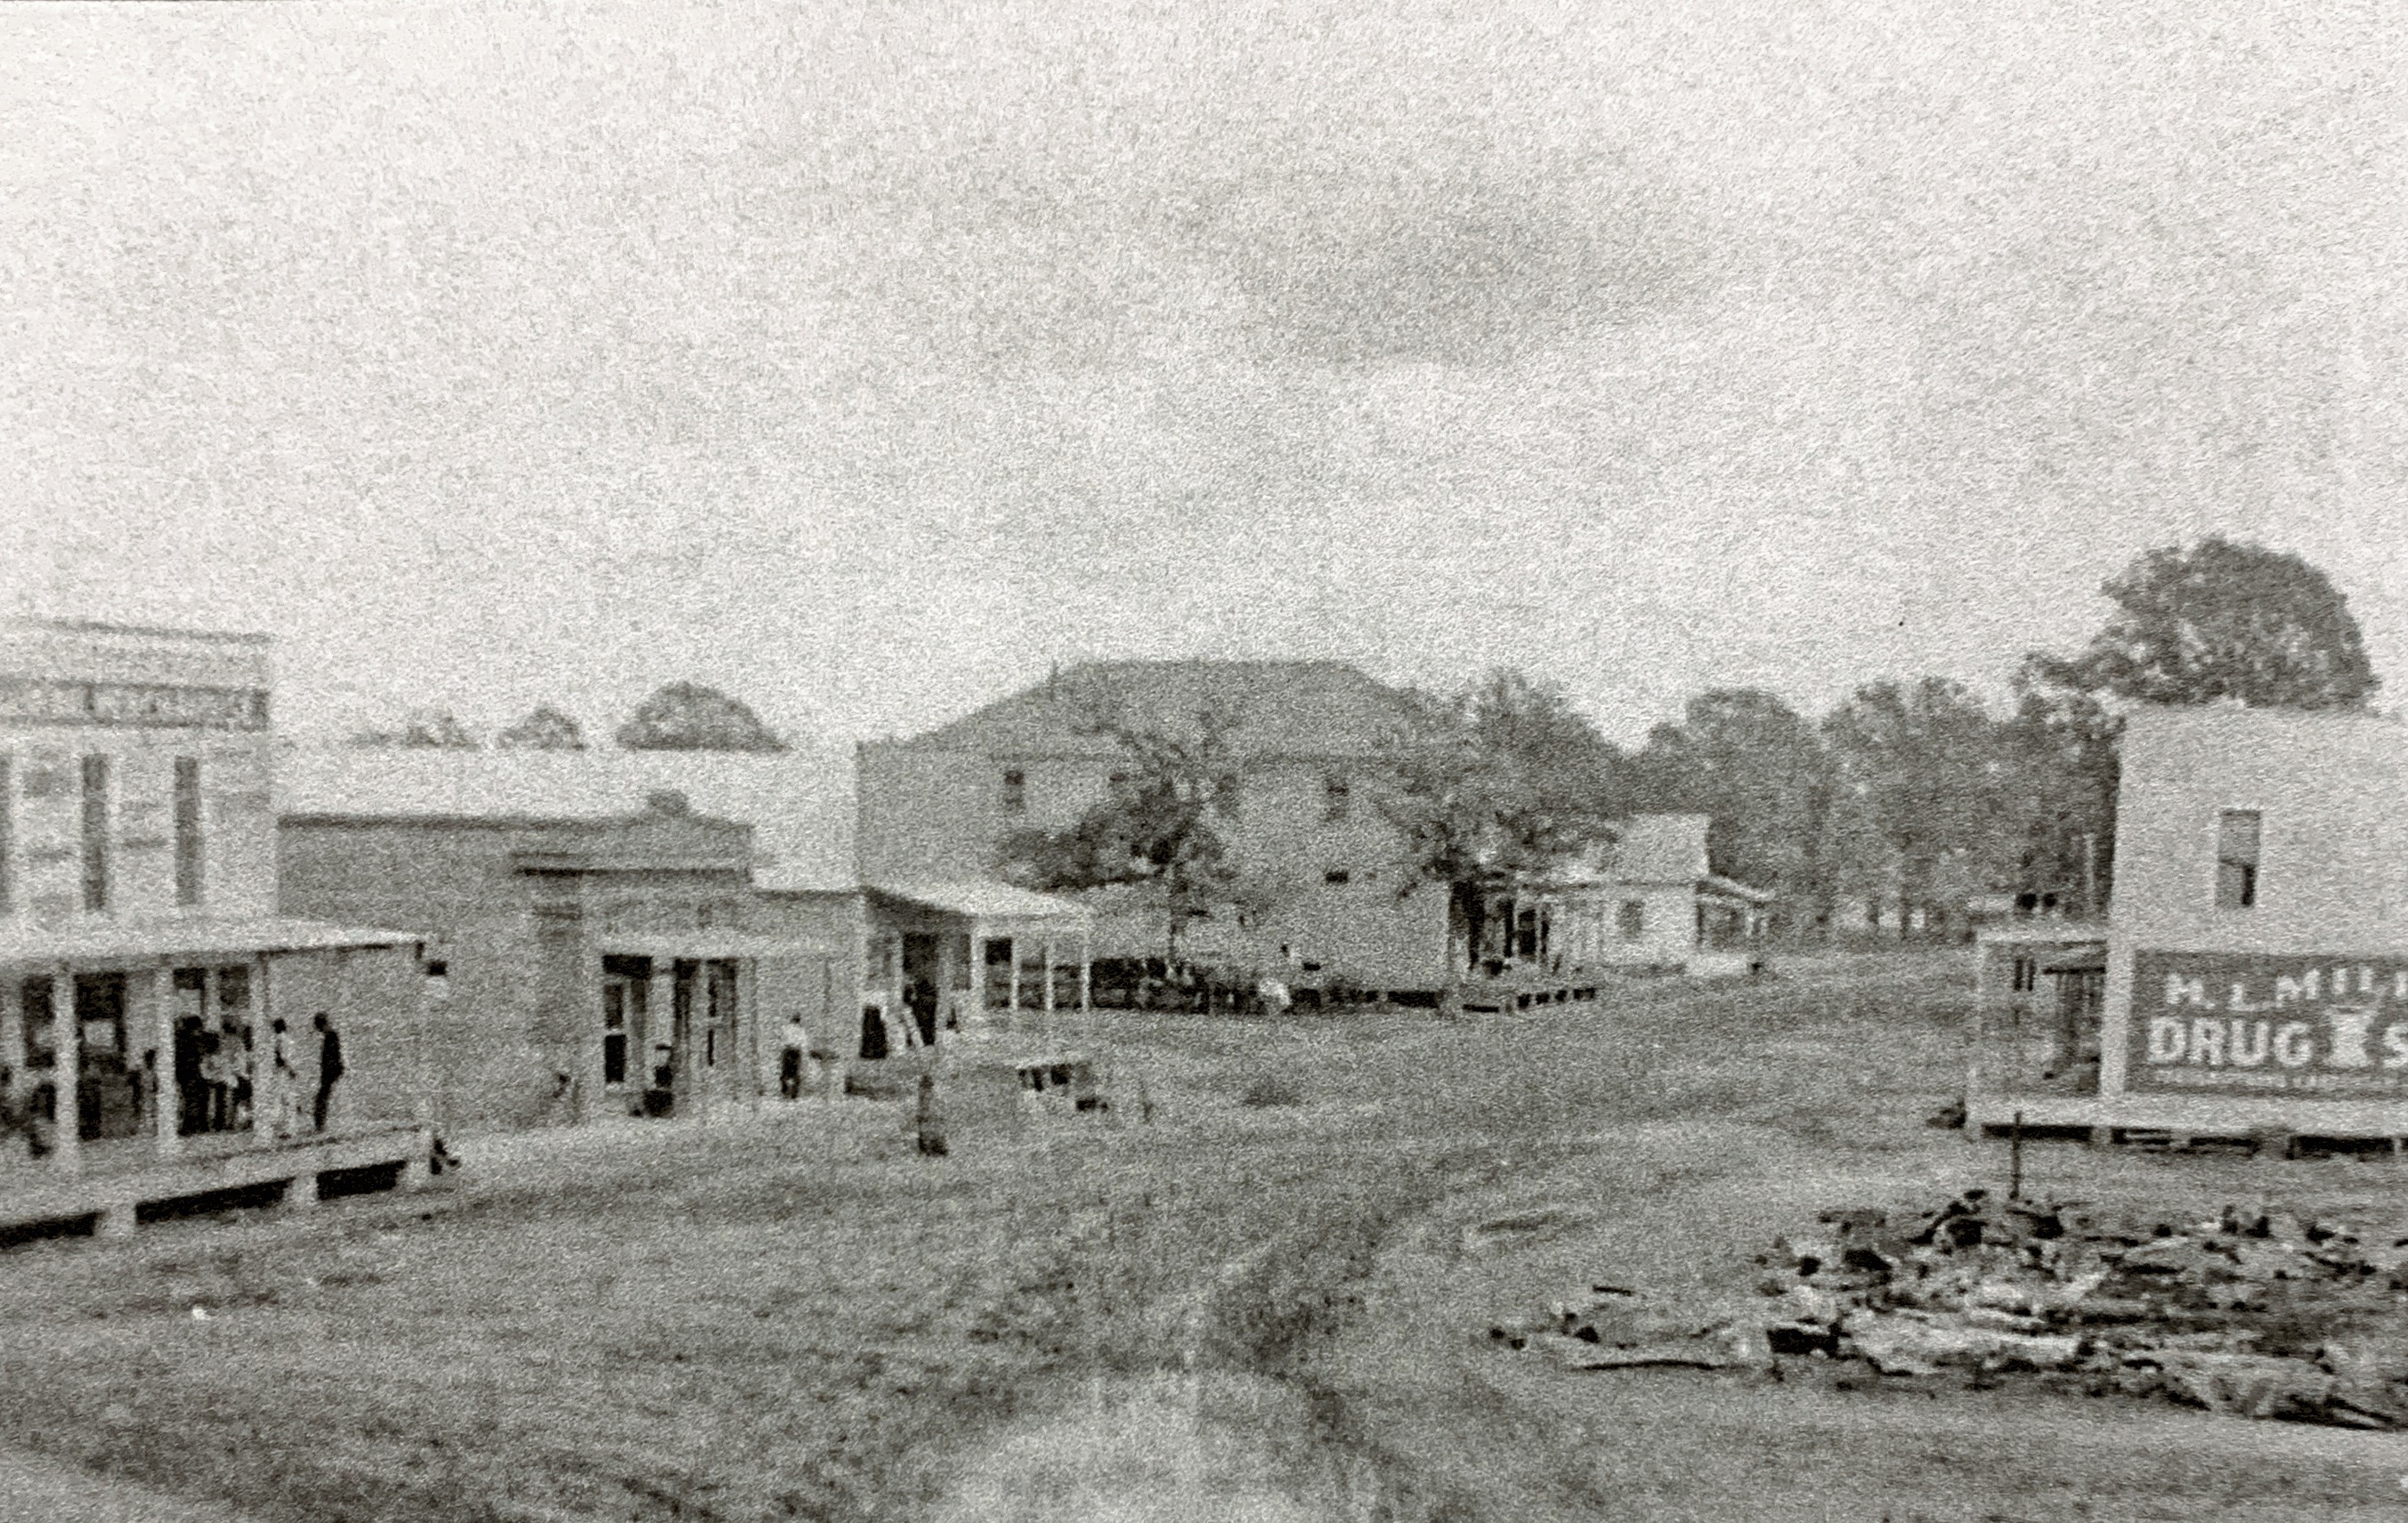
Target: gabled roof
<point>1662,849</point>
<point>981,899</point>
<point>1277,708</point>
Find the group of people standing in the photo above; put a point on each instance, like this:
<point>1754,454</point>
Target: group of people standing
<point>222,1086</point>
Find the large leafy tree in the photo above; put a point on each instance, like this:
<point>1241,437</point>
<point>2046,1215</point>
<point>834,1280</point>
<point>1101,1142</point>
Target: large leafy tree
<point>1155,829</point>
<point>2222,621</point>
<point>1495,783</point>
<point>544,729</point>
<point>688,716</point>
<point>2216,621</point>
<point>1922,773</point>
<point>1759,769</point>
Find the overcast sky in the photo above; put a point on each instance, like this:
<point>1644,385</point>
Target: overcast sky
<point>866,359</point>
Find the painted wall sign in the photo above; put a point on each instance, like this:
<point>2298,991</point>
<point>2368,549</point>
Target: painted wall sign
<point>44,701</point>
<point>2254,1023</point>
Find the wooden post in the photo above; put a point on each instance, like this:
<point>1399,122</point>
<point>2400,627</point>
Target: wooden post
<point>422,1100</point>
<point>977,972</point>
<point>660,1021</point>
<point>1086,968</point>
<point>1015,978</point>
<point>1048,986</point>
<point>12,1039</point>
<point>166,1094</point>
<point>586,1088</point>
<point>67,1028</point>
<point>261,1058</point>
<point>748,1017</point>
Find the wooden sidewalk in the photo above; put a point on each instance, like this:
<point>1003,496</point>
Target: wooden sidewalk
<point>115,1198</point>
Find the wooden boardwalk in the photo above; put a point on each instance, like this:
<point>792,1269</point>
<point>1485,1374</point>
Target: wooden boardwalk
<point>119,1185</point>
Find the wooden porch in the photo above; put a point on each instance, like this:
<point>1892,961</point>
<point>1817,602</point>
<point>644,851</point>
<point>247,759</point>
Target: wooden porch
<point>123,1181</point>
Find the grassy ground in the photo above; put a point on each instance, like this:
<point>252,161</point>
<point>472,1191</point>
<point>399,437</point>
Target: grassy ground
<point>1240,1310</point>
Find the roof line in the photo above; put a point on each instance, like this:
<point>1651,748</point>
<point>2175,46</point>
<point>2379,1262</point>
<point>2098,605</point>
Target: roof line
<point>98,627</point>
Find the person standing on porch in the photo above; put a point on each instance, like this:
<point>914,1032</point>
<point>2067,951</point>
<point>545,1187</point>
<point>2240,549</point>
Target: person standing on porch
<point>330,1068</point>
<point>277,1091</point>
<point>790,1058</point>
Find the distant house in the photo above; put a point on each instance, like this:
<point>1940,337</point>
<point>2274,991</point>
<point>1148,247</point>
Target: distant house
<point>1302,820</point>
<point>1649,901</point>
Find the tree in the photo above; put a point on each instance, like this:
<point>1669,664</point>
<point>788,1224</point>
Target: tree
<point>1922,774</point>
<point>687,716</point>
<point>1749,762</point>
<point>2062,749</point>
<point>1492,785</point>
<point>1153,831</point>
<point>544,729</point>
<point>431,729</point>
<point>2222,621</point>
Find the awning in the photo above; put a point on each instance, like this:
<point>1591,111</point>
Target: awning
<point>2081,960</point>
<point>97,940</point>
<point>1731,888</point>
<point>983,898</point>
<point>704,945</point>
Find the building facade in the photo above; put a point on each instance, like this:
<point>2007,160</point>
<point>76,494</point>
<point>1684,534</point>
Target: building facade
<point>2256,968</point>
<point>1301,817</point>
<point>145,967</point>
<point>608,957</point>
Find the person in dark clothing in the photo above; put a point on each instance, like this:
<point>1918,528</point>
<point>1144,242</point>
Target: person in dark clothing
<point>330,1066</point>
<point>921,1000</point>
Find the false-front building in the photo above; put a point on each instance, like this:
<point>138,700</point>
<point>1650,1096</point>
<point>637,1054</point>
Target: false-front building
<point>156,1008</point>
<point>2255,967</point>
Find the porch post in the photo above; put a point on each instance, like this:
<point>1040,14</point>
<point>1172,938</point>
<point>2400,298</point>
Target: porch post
<point>421,1098</point>
<point>587,1089</point>
<point>748,1016</point>
<point>660,1018</point>
<point>1049,976</point>
<point>1015,975</point>
<point>895,1012</point>
<point>258,1009</point>
<point>166,1095</point>
<point>1086,968</point>
<point>12,1036</point>
<point>67,1030</point>
<point>977,972</point>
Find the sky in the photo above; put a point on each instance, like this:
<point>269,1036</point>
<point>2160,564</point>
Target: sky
<point>867,360</point>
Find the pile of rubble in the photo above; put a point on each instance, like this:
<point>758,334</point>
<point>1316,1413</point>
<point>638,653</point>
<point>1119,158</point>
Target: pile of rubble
<point>2261,1313</point>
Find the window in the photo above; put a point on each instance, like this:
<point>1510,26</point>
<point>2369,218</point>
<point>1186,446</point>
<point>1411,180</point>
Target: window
<point>614,1033</point>
<point>1338,877</point>
<point>1631,921</point>
<point>188,830</point>
<point>1337,797</point>
<point>2236,859</point>
<point>1015,791</point>
<point>95,832</point>
<point>2026,976</point>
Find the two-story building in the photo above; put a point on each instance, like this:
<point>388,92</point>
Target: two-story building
<point>2256,954</point>
<point>1328,889</point>
<point>154,1005</point>
<point>1300,815</point>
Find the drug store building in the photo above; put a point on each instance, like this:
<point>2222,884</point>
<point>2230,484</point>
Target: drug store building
<point>2253,975</point>
<point>144,966</point>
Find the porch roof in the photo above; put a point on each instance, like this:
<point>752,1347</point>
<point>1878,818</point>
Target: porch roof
<point>1713,886</point>
<point>983,899</point>
<point>705,945</point>
<point>110,940</point>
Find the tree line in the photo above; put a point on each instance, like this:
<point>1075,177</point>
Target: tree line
<point>1912,796</point>
<point>678,716</point>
